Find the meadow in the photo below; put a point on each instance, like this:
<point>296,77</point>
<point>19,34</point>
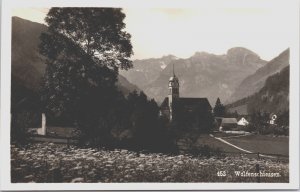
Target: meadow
<point>215,144</point>
<point>262,143</point>
<point>48,162</point>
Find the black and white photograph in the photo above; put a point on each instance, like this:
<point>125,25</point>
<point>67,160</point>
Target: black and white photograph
<point>192,93</point>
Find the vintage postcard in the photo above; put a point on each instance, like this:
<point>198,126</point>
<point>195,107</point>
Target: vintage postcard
<point>143,95</point>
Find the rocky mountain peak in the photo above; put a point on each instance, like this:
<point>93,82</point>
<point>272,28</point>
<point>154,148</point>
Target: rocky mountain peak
<point>170,57</point>
<point>240,51</point>
<point>202,54</point>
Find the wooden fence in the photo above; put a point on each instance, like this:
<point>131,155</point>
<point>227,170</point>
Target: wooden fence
<point>54,139</point>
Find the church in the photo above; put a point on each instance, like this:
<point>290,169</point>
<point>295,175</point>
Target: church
<point>197,112</point>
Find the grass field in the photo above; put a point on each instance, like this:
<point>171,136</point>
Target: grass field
<point>214,143</point>
<point>262,144</point>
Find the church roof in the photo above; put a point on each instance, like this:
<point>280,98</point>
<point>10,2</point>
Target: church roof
<point>203,102</point>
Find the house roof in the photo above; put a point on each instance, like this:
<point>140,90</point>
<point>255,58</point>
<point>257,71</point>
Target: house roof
<point>203,102</point>
<point>243,119</point>
<point>229,120</point>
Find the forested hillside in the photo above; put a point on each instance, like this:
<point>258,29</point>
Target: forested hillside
<point>272,98</point>
<point>254,82</point>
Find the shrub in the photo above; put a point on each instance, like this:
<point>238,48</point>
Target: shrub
<point>274,129</point>
<point>267,129</point>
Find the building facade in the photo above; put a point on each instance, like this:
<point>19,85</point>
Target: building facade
<point>196,111</point>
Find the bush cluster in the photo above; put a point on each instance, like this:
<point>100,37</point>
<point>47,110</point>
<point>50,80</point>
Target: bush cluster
<point>268,129</point>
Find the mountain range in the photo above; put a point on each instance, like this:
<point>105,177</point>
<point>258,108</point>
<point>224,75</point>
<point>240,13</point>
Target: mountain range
<point>201,75</point>
<point>145,71</point>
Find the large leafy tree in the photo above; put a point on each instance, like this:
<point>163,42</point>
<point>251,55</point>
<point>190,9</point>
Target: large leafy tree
<point>84,48</point>
<point>99,32</point>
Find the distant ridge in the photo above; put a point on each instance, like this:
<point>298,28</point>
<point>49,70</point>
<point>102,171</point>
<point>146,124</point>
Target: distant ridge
<point>201,75</point>
<point>273,97</point>
<point>145,71</point>
<point>254,82</point>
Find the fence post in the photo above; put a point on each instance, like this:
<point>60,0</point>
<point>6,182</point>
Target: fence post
<point>257,171</point>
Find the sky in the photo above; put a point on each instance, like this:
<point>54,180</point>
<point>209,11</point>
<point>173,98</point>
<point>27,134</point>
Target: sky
<point>183,31</point>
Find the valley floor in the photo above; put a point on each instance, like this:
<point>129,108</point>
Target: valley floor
<point>262,144</point>
<point>277,147</point>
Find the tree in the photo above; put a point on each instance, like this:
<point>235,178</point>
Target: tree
<point>148,131</point>
<point>97,31</point>
<point>283,118</point>
<point>84,48</point>
<point>219,109</point>
<point>143,118</point>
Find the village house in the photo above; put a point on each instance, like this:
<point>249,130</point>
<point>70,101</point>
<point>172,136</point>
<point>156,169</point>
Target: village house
<point>228,124</point>
<point>243,122</point>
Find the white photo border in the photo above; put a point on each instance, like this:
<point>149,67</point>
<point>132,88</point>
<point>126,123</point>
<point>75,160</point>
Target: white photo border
<point>6,13</point>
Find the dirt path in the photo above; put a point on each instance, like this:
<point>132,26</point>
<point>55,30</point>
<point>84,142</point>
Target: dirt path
<point>234,136</point>
<point>239,148</point>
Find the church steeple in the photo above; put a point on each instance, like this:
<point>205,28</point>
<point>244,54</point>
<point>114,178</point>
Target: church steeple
<point>174,85</point>
<point>173,70</point>
<point>173,91</point>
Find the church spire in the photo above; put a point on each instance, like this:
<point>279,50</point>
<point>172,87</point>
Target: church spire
<point>173,70</point>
